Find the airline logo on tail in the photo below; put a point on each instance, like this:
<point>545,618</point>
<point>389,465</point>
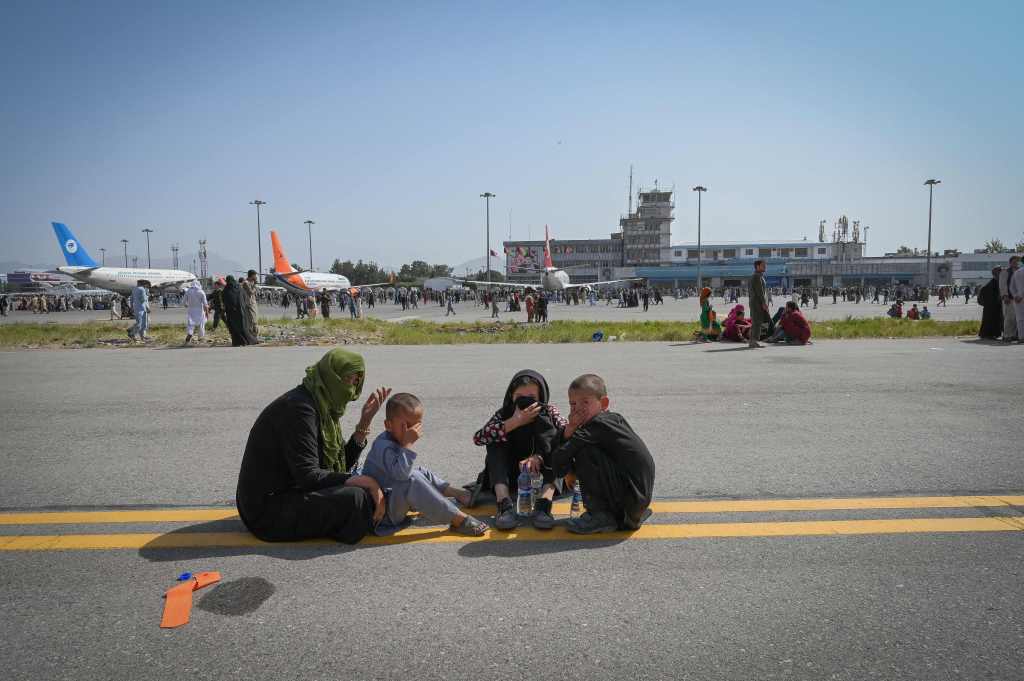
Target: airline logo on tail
<point>547,251</point>
<point>74,253</point>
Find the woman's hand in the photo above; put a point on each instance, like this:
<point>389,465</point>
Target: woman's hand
<point>521,417</point>
<point>372,406</point>
<point>371,486</point>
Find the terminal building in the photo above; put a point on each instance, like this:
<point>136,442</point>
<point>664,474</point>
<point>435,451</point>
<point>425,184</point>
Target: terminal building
<point>643,248</point>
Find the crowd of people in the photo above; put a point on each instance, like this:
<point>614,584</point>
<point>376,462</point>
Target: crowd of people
<point>300,479</point>
<point>787,325</point>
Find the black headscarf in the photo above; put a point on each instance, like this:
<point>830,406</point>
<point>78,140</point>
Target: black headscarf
<point>534,438</point>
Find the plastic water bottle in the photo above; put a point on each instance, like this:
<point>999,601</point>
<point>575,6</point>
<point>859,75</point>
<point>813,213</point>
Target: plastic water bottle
<point>577,501</point>
<point>536,482</point>
<point>524,506</point>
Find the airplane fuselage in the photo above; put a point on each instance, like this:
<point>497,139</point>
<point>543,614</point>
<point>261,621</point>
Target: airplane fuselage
<point>124,279</point>
<point>308,283</point>
<point>554,280</point>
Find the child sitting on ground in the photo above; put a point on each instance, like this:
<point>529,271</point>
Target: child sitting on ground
<point>408,487</point>
<point>611,462</point>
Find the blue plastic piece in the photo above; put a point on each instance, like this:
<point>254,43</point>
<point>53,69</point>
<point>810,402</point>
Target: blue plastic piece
<point>597,337</point>
<point>184,576</point>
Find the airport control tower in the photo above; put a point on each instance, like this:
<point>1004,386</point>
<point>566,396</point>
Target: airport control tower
<point>647,232</point>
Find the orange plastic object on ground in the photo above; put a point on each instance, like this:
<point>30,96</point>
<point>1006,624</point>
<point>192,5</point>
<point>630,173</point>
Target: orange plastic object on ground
<point>178,599</point>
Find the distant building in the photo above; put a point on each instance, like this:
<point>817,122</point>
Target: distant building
<point>976,268</point>
<point>642,248</point>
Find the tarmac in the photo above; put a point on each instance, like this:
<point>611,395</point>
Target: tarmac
<point>845,510</point>
<point>684,309</point>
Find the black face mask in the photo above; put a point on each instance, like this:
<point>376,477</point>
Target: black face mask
<point>524,401</point>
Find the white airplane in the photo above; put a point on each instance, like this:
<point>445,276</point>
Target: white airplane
<point>306,282</point>
<point>552,278</point>
<point>120,279</point>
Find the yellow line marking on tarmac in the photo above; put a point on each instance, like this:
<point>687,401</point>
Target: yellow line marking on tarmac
<point>439,535</point>
<point>94,517</point>
<point>719,506</point>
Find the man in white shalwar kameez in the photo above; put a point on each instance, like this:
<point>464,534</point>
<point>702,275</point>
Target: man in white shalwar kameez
<point>197,307</point>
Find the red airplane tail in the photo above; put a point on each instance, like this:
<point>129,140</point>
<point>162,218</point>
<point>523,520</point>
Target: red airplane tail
<point>547,250</point>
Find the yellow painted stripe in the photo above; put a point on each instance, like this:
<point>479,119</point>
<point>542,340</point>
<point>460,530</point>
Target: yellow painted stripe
<point>435,535</point>
<point>722,506</point>
<point>90,517</point>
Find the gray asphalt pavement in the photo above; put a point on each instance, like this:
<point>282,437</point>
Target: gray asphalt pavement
<point>165,428</point>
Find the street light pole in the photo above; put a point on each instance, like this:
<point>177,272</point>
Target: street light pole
<point>124,242</point>
<point>149,260</point>
<point>259,238</point>
<point>103,256</point>
<point>487,196</point>
<point>309,225</point>
<point>928,260</point>
<point>700,190</point>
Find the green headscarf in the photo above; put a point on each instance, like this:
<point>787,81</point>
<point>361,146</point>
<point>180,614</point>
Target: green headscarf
<point>325,381</point>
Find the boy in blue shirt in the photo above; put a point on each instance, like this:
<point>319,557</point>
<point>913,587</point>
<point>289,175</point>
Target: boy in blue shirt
<point>408,487</point>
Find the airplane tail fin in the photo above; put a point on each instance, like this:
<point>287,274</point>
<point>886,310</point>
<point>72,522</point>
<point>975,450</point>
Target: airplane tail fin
<point>74,252</point>
<point>281,264</point>
<point>547,249</point>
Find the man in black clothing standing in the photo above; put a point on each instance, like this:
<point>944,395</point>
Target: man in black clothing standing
<point>758,304</point>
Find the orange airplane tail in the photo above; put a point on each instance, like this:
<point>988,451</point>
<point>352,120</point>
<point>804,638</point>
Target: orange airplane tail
<point>281,264</point>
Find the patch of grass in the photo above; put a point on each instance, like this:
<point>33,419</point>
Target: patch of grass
<point>418,332</point>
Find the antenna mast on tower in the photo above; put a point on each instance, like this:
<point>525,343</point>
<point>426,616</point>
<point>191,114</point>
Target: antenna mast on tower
<point>202,259</point>
<point>629,209</point>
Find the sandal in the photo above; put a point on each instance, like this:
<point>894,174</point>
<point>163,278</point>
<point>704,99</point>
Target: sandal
<point>470,527</point>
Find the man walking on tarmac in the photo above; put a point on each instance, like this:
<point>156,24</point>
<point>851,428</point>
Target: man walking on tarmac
<point>140,307</point>
<point>758,304</point>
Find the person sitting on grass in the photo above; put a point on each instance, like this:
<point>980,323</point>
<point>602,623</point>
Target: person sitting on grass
<point>737,326</point>
<point>913,313</point>
<point>925,314</point>
<point>792,327</point>
<point>408,487</point>
<point>525,429</point>
<point>710,329</point>
<point>614,468</point>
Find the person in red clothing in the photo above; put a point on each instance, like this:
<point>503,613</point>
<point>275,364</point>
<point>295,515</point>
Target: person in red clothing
<point>913,313</point>
<point>794,325</point>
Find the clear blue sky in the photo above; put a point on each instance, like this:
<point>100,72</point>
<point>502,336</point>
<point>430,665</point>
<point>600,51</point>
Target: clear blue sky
<point>383,122</point>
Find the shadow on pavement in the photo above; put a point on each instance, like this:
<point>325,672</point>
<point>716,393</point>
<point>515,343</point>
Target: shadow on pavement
<point>984,341</point>
<point>163,549</point>
<point>238,597</point>
<point>742,346</point>
<point>519,549</point>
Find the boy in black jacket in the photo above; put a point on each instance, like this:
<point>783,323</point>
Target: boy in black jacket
<point>615,470</point>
